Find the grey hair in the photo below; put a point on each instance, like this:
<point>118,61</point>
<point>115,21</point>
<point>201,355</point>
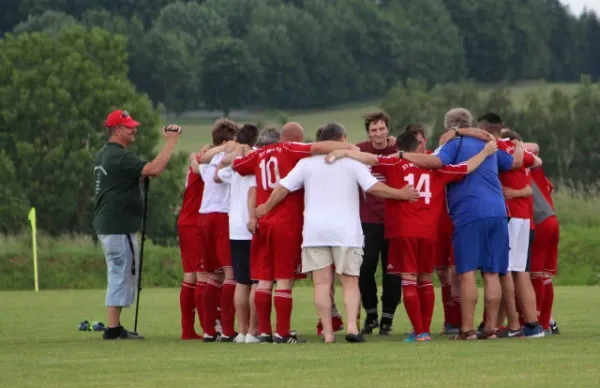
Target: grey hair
<point>332,131</point>
<point>268,135</point>
<point>458,118</point>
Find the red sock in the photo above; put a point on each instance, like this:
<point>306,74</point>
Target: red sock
<point>187,305</point>
<point>218,296</point>
<point>283,308</point>
<point>446,297</point>
<point>211,302</point>
<point>199,300</point>
<point>228,308</point>
<point>427,299</point>
<point>455,313</point>
<point>263,302</point>
<point>538,287</point>
<point>410,297</point>
<point>546,313</point>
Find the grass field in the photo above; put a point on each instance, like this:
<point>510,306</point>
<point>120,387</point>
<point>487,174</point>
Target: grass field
<point>197,127</point>
<point>41,347</point>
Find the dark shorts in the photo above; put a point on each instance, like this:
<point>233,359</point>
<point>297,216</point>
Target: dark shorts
<point>240,261</point>
<point>482,245</point>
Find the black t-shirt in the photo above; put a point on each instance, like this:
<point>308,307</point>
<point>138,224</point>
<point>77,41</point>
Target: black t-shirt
<point>118,202</point>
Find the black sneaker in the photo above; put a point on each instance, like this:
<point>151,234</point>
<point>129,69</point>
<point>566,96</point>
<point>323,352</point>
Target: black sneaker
<point>265,338</point>
<point>224,338</point>
<point>510,333</point>
<point>211,338</point>
<point>385,329</point>
<point>370,325</point>
<point>291,338</point>
<point>554,328</point>
<point>121,334</point>
<point>355,338</point>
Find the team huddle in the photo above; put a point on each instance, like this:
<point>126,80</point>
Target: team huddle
<point>261,210</point>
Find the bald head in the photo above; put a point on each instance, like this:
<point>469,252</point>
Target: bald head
<point>292,132</point>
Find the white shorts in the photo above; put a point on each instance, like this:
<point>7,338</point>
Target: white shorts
<point>347,260</point>
<point>518,239</point>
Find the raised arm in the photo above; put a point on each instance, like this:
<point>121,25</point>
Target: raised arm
<point>477,133</point>
<point>325,147</point>
<point>422,160</point>
<point>227,147</point>
<point>158,165</point>
<point>518,155</point>
<point>238,151</point>
<point>363,157</point>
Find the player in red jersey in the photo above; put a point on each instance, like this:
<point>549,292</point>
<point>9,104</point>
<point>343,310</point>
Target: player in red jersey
<point>544,250</point>
<point>413,227</point>
<point>517,287</point>
<point>187,228</point>
<point>277,253</point>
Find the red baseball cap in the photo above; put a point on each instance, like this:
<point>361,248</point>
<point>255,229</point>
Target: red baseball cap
<point>121,117</point>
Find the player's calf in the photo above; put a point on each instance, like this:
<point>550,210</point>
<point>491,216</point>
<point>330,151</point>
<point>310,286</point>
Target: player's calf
<point>426,299</point>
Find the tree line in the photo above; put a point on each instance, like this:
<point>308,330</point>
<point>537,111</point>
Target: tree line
<point>279,54</point>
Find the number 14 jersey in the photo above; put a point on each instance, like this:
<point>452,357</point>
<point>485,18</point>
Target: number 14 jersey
<point>270,164</point>
<point>418,219</point>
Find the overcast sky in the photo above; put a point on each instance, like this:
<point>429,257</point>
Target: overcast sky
<point>578,5</point>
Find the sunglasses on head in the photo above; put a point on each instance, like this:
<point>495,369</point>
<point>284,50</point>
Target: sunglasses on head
<point>124,115</point>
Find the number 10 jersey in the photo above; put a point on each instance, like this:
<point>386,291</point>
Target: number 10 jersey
<point>270,164</point>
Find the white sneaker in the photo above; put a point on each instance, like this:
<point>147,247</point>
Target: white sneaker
<point>250,339</point>
<point>240,339</point>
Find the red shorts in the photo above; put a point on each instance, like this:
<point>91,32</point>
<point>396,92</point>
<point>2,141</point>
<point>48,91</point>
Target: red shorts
<point>544,249</point>
<point>411,255</point>
<point>215,252</point>
<point>276,252</point>
<point>443,251</point>
<point>189,245</point>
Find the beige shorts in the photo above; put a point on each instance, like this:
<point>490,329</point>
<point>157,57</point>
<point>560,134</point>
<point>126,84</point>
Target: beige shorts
<point>347,260</point>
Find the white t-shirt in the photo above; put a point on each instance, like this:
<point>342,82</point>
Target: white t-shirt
<point>238,202</point>
<point>331,208</point>
<point>215,198</point>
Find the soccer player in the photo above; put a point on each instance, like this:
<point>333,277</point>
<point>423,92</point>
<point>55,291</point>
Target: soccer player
<point>414,230</point>
<point>187,228</point>
<point>240,238</point>
<point>376,245</point>
<point>478,214</point>
<point>332,232</point>
<point>279,234</point>
<point>215,252</point>
<point>517,192</point>
<point>544,250</point>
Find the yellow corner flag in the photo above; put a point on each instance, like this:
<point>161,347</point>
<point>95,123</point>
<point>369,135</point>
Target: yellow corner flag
<point>34,235</point>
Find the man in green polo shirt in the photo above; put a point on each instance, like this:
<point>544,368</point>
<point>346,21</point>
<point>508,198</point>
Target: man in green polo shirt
<point>118,211</point>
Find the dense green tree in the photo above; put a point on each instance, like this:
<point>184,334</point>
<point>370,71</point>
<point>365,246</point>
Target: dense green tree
<point>55,93</point>
<point>229,75</point>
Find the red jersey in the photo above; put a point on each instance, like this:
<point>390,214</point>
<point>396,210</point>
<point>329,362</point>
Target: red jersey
<point>192,198</point>
<point>543,183</point>
<point>270,164</point>
<point>372,207</point>
<point>418,219</point>
<point>517,179</point>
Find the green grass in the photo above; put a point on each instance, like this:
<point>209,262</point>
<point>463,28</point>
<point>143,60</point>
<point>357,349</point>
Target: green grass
<point>41,347</point>
<point>197,130</point>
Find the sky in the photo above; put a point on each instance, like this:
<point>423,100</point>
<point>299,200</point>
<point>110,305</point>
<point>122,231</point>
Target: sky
<point>578,5</point>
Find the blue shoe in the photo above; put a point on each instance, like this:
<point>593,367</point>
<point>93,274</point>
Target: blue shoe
<point>449,330</point>
<point>411,338</point>
<point>424,337</point>
<point>536,332</point>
